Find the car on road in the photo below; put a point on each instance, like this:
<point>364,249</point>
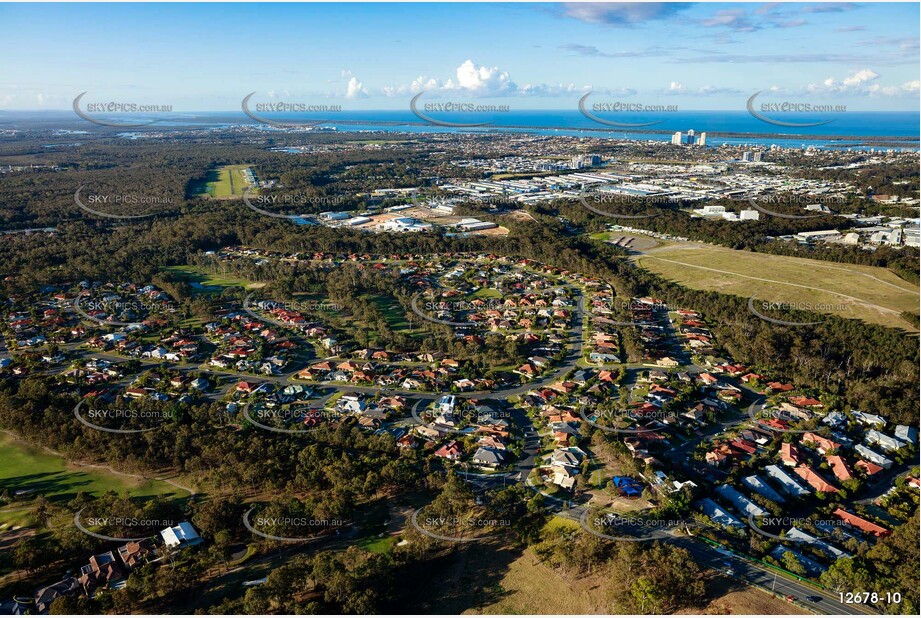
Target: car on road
<point>730,572</point>
<point>814,599</point>
<point>790,597</point>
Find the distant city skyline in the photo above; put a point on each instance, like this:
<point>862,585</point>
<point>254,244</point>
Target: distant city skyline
<point>695,56</point>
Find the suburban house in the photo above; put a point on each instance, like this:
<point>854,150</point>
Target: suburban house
<point>757,485</point>
<point>450,450</point>
<point>790,455</point>
<point>786,482</point>
<point>815,480</point>
<point>489,457</point>
<point>134,553</point>
<point>862,524</point>
<point>839,467</point>
<point>885,442</point>
<point>741,503</point>
<point>102,572</point>
<point>822,444</point>
<point>68,586</point>
<point>180,536</point>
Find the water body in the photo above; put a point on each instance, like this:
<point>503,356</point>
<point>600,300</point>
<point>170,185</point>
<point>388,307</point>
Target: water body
<point>847,129</point>
<point>863,130</point>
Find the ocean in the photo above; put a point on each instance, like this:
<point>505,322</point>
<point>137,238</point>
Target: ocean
<point>847,130</point>
<point>863,130</point>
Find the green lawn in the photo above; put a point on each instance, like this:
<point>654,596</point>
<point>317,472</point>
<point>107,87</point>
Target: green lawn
<point>867,293</point>
<point>378,545</point>
<point>223,182</point>
<point>393,312</point>
<point>485,293</point>
<point>16,517</point>
<point>23,467</point>
<point>205,282</point>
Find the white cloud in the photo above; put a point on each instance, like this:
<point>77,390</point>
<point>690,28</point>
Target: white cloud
<point>863,82</point>
<point>356,90</point>
<point>852,83</point>
<point>677,88</point>
<point>481,79</point>
<point>861,76</point>
<point>469,79</point>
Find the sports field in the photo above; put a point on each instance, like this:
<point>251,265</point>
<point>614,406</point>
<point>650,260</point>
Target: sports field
<point>867,293</point>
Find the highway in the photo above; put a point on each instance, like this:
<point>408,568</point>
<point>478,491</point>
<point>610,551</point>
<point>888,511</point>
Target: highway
<point>754,574</point>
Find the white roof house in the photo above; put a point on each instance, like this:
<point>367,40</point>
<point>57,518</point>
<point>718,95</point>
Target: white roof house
<point>869,419</point>
<point>873,457</point>
<point>446,404</point>
<point>906,433</point>
<point>887,443</point>
<point>718,514</point>
<point>755,483</point>
<point>744,505</point>
<point>786,482</point>
<point>831,550</point>
<point>181,535</point>
<point>812,567</point>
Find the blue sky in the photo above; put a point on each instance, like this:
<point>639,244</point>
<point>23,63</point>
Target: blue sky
<point>199,57</point>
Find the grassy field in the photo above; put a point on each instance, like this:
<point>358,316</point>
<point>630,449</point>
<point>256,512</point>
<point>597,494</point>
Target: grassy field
<point>495,579</point>
<point>486,293</point>
<point>222,183</point>
<point>23,467</point>
<point>867,293</point>
<point>378,545</point>
<point>208,283</point>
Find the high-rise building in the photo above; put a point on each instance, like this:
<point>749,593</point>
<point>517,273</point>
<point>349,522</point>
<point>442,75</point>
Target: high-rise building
<point>585,160</point>
<point>691,138</point>
<point>747,156</point>
<point>758,156</point>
